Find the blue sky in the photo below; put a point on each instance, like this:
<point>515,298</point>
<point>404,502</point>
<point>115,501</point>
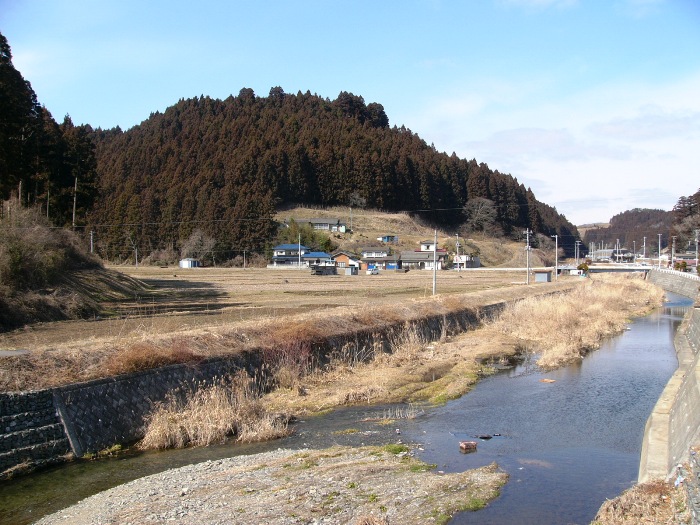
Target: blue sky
<point>594,104</point>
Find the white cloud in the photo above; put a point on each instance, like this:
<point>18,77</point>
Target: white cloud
<point>652,123</point>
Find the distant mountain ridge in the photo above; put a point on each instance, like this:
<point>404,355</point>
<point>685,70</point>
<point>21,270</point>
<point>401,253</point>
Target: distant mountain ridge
<point>225,165</point>
<point>633,228</point>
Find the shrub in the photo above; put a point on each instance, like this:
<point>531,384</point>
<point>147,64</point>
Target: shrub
<point>207,414</point>
<point>34,255</point>
<point>145,356</point>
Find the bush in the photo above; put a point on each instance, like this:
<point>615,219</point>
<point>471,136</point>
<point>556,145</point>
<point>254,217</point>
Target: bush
<point>208,414</point>
<point>34,255</point>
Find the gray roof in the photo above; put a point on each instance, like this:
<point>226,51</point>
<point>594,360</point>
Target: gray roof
<point>412,256</point>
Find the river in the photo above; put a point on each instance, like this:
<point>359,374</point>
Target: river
<point>567,445</point>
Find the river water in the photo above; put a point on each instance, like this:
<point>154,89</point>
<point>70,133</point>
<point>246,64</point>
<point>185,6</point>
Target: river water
<point>567,445</point>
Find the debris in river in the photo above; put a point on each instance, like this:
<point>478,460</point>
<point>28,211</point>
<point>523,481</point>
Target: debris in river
<point>467,446</point>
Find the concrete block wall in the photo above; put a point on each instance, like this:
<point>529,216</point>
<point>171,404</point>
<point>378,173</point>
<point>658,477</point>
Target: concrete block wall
<point>31,433</point>
<point>674,424</point>
<point>104,412</point>
<point>681,283</point>
<point>88,417</point>
<point>684,421</point>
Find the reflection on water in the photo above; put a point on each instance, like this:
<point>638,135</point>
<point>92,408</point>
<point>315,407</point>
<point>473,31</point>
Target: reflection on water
<point>567,445</point>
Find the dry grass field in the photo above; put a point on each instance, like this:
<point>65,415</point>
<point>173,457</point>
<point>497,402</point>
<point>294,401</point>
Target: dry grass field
<point>185,300</point>
<point>184,315</point>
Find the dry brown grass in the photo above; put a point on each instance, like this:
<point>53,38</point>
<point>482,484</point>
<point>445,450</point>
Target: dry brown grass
<point>64,353</point>
<point>209,414</point>
<point>655,502</point>
<point>563,329</point>
<point>145,355</point>
<point>416,369</point>
<point>368,225</point>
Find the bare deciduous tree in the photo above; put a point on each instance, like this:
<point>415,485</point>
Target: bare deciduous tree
<point>198,245</point>
<point>480,214</point>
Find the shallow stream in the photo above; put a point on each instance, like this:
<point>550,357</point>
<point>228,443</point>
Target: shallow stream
<point>567,445</point>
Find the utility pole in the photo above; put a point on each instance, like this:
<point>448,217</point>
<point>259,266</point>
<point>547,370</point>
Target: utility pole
<point>435,264</point>
<point>92,243</point>
<point>673,252</point>
<point>556,257</point>
<point>244,259</point>
<point>75,200</point>
<point>634,251</point>
<point>696,252</point>
<point>659,250</point>
<point>457,245</point>
<point>644,249</point>
<point>577,252</point>
<point>299,263</point>
<point>527,254</point>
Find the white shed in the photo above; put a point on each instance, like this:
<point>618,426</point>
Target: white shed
<point>189,263</point>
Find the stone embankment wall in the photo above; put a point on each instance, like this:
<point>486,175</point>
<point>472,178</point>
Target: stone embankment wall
<point>88,417</point>
<point>674,424</point>
<point>31,433</point>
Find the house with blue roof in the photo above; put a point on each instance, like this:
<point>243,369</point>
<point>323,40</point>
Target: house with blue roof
<point>317,259</point>
<point>288,254</point>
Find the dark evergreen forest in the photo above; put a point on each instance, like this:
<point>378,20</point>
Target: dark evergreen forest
<point>632,226</point>
<point>686,221</point>
<point>224,167</point>
<point>42,162</point>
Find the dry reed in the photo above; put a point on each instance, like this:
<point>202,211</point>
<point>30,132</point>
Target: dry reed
<point>652,502</point>
<point>208,414</point>
<point>565,327</point>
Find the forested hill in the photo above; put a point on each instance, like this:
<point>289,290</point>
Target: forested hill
<point>631,228</point>
<point>223,166</point>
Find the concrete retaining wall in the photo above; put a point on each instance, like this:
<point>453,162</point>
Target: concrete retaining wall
<point>682,283</point>
<point>92,416</point>
<point>101,413</point>
<point>31,433</point>
<point>674,424</point>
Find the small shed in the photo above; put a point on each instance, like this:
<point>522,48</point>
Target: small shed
<point>189,263</point>
<point>543,276</point>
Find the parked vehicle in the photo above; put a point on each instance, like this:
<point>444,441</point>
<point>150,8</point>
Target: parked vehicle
<point>323,270</point>
<point>372,271</point>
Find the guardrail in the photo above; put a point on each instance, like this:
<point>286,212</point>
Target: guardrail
<point>685,275</point>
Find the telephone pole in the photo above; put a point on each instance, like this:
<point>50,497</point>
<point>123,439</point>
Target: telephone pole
<point>435,264</point>
<point>457,245</point>
<point>659,250</point>
<point>556,257</point>
<point>673,253</point>
<point>75,200</point>
<point>577,252</point>
<point>527,232</point>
